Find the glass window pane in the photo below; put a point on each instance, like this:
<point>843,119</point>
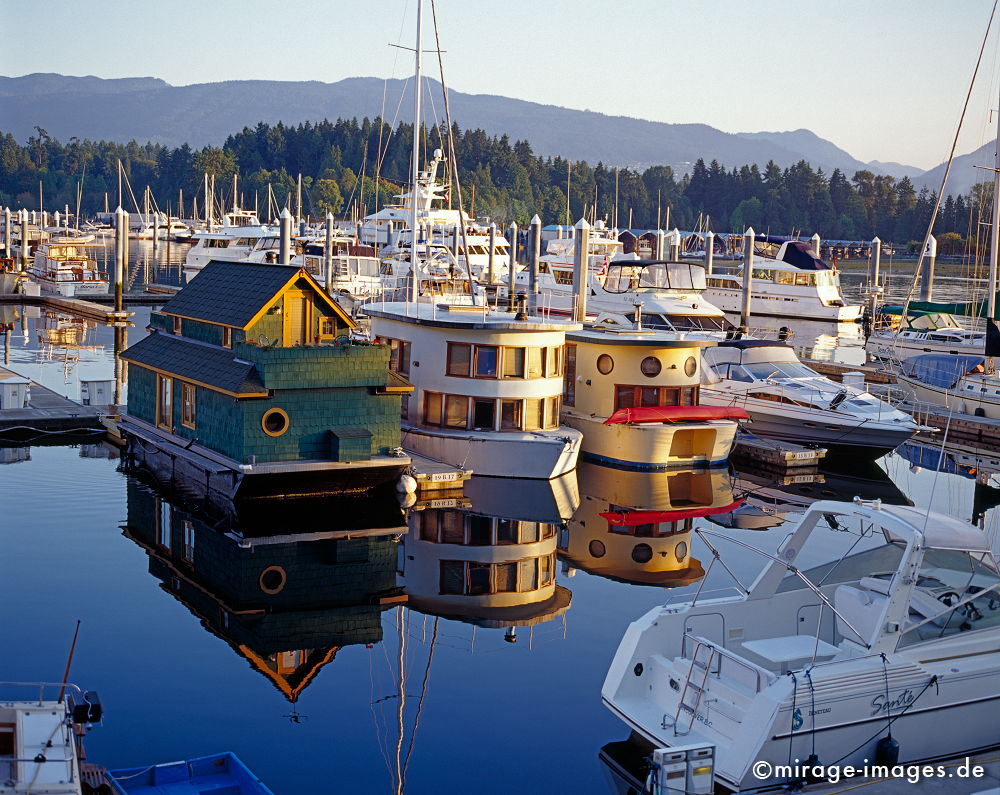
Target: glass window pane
<point>429,525</point>
<point>527,574</point>
<point>452,527</point>
<point>670,396</point>
<point>483,414</point>
<point>506,578</point>
<point>506,531</point>
<point>452,576</point>
<point>513,362</point>
<point>569,389</point>
<point>529,532</point>
<point>649,396</point>
<point>533,420</point>
<point>545,566</point>
<point>552,412</point>
<point>432,408</point>
<point>510,415</point>
<point>534,362</point>
<point>456,411</point>
<point>486,361</point>
<point>404,358</point>
<point>479,578</point>
<point>480,531</point>
<point>624,397</point>
<point>459,358</point>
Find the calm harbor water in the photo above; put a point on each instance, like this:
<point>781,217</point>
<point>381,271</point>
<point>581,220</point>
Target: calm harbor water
<point>356,664</point>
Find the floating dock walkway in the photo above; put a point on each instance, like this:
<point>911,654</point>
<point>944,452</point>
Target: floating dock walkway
<point>46,413</point>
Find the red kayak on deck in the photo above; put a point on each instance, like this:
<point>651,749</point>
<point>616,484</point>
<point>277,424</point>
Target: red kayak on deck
<point>641,414</point>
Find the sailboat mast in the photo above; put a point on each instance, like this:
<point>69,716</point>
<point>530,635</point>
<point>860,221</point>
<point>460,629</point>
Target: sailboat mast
<point>991,284</point>
<point>415,166</point>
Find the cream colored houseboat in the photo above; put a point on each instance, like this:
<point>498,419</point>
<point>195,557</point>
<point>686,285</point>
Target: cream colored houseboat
<point>487,387</point>
<point>635,527</point>
<point>634,396</point>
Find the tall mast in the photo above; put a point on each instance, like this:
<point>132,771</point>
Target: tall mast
<point>415,166</point>
<point>995,237</point>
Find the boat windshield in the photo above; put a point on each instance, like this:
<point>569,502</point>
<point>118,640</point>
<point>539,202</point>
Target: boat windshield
<point>763,371</point>
<point>685,322</point>
<point>654,276</point>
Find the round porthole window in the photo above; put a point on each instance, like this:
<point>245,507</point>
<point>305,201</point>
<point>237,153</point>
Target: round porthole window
<point>605,364</point>
<point>650,366</point>
<point>596,548</point>
<point>272,579</point>
<point>274,422</point>
<point>642,553</point>
<point>681,551</point>
<point>690,366</point>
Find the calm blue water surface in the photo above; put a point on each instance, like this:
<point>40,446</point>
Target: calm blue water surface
<point>191,655</point>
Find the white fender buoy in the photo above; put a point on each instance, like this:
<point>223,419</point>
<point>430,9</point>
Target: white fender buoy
<point>406,484</point>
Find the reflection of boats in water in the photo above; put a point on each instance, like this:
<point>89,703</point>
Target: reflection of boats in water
<point>886,649</point>
<point>796,492</point>
<point>284,603</point>
<point>964,460</point>
<point>635,527</point>
<point>488,569</point>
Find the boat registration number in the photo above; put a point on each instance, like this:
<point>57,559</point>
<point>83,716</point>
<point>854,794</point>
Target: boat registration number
<point>449,503</point>
<point>439,477</point>
<point>803,454</point>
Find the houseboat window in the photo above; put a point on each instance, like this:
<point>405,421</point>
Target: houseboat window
<point>533,419</point>
<point>624,397</point>
<point>681,551</point>
<point>432,408</point>
<point>404,407</point>
<point>605,364</point>
<point>534,362</point>
<point>478,579</point>
<point>513,362</point>
<point>227,337</point>
<point>459,358</point>
<point>480,531</point>
<point>510,415</point>
<point>452,528</point>
<point>274,422</point>
<point>553,361</point>
<point>649,396</point>
<point>690,366</point>
<point>177,325</point>
<point>506,578</point>
<point>484,414</point>
<point>452,577</point>
<point>506,532</point>
<point>650,367</point>
<point>596,548</point>
<point>569,388</point>
<point>629,396</point>
<point>164,401</point>
<point>486,361</point>
<point>552,412</point>
<point>189,541</point>
<point>187,405</point>
<point>163,523</point>
<point>399,356</point>
<point>328,327</point>
<point>456,411</point>
<point>642,553</point>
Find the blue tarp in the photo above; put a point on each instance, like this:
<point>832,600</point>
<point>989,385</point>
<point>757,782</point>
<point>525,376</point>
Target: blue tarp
<point>940,369</point>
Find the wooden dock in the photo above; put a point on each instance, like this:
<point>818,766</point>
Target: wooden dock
<point>776,455</point>
<point>434,476</point>
<point>46,413</point>
<point>982,431</point>
<point>873,373</point>
<point>74,306</point>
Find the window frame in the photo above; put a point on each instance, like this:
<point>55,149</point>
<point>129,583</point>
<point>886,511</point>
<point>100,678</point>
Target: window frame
<point>189,405</point>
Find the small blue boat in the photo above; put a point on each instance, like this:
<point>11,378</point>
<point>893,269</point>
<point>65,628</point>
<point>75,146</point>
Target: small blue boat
<point>221,773</point>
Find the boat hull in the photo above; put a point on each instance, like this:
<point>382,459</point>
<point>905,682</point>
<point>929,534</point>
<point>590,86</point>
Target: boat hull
<point>531,454</point>
<point>958,402</point>
<point>654,446</point>
<point>783,306</point>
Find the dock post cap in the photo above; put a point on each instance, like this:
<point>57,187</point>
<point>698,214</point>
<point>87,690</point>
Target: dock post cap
<point>329,216</point>
<point>815,236</point>
<point>749,232</point>
<point>535,220</point>
<point>876,239</point>
<point>285,214</point>
<point>513,225</point>
<point>582,224</point>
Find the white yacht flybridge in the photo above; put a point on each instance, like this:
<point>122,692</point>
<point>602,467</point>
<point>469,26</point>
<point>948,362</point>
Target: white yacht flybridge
<point>855,656</point>
<point>390,228</point>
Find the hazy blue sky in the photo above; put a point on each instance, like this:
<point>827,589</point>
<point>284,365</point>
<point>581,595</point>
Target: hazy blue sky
<point>883,79</point>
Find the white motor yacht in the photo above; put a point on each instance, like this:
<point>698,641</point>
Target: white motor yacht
<point>826,655</point>
<point>487,386</point>
<point>959,382</point>
<point>67,269</point>
<point>787,281</point>
<point>233,241</point>
<point>933,332</point>
<point>787,400</point>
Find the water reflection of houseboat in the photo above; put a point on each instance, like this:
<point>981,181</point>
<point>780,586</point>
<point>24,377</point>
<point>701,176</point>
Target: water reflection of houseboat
<point>635,527</point>
<point>484,569</point>
<point>285,603</point>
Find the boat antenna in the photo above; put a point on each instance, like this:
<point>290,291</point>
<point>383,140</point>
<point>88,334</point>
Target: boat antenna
<point>69,661</point>
<point>947,169</point>
<point>453,164</point>
<point>415,165</point>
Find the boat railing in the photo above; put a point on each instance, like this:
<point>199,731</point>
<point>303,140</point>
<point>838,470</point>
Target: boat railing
<point>678,598</point>
<point>725,655</point>
<point>56,689</point>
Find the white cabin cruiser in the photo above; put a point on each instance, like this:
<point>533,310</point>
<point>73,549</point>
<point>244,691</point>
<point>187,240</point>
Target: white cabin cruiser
<point>233,241</point>
<point>488,387</point>
<point>41,729</point>
<point>787,400</point>
<point>67,269</point>
<point>787,281</point>
<point>826,654</point>
<point>959,382</point>
<point>932,332</point>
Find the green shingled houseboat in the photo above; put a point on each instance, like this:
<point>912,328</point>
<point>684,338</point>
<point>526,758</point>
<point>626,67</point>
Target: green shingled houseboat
<point>249,384</point>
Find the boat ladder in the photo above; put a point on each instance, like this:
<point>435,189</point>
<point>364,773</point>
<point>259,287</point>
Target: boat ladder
<point>701,665</point>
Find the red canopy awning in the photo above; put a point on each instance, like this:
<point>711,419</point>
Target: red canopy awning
<point>676,414</point>
<point>634,518</point>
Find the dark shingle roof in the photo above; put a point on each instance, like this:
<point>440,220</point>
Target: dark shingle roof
<point>196,361</point>
<point>230,293</point>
